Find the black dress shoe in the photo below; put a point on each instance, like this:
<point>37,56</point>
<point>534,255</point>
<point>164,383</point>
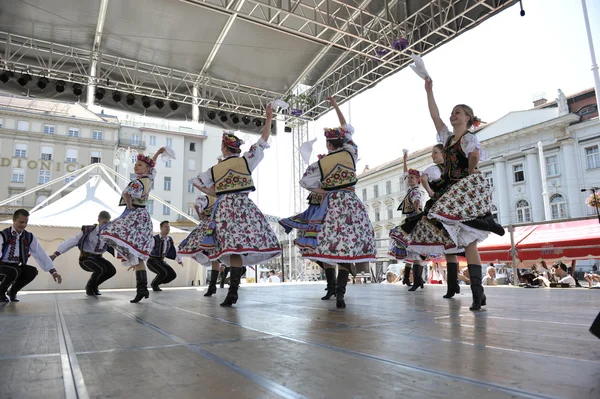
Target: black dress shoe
<point>3,298</point>
<point>97,291</point>
<point>12,297</point>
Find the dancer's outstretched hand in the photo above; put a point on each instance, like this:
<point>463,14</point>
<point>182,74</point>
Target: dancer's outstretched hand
<point>269,112</point>
<point>57,278</point>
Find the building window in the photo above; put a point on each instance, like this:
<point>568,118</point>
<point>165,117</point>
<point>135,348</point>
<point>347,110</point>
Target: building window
<point>44,177</point>
<point>41,199</point>
<point>375,191</point>
<point>495,215</point>
<point>1,123</point>
<point>518,173</point>
<point>135,139</point>
<point>558,204</point>
<point>23,126</point>
<point>552,167</point>
<point>191,187</point>
<point>169,142</point>
<point>388,187</point>
<point>46,153</point>
<point>69,179</point>
<point>168,164</point>
<point>191,211</point>
<point>18,175</point>
<point>401,184</point>
<point>166,209</point>
<point>48,129</point>
<point>133,159</point>
<point>20,150</point>
<point>489,178</point>
<point>150,206</point>
<point>364,194</point>
<point>96,157</point>
<point>390,211</point>
<point>523,211</point>
<point>152,140</point>
<point>592,156</point>
<point>193,147</point>
<point>377,215</point>
<point>97,135</point>
<point>167,184</point>
<point>191,164</point>
<point>71,155</point>
<point>73,132</point>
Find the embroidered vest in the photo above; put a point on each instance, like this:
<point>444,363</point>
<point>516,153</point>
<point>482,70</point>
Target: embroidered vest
<point>209,207</point>
<point>337,170</point>
<point>232,176</point>
<point>314,199</point>
<point>407,206</point>
<point>158,250</point>
<point>24,243</point>
<point>457,163</point>
<point>146,186</point>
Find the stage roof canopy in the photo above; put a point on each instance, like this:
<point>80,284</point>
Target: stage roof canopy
<point>230,55</point>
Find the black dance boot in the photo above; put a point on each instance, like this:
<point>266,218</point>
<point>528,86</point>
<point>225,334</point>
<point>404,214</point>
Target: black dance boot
<point>3,297</point>
<point>141,279</point>
<point>89,290</point>
<point>96,290</point>
<point>475,274</point>
<point>223,277</point>
<point>340,289</point>
<point>234,284</point>
<point>595,328</point>
<point>330,274</point>
<point>417,277</point>
<point>451,277</point>
<point>212,286</point>
<point>406,275</point>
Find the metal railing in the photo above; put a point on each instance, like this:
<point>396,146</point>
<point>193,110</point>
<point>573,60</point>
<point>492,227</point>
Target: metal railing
<point>132,143</point>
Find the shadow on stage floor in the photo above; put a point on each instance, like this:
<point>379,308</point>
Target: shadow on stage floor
<point>283,341</point>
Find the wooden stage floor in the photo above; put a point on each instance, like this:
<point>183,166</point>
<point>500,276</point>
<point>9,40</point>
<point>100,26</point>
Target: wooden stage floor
<point>284,342</point>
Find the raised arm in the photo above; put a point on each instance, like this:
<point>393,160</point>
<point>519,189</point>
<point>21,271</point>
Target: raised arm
<point>160,151</point>
<point>434,112</point>
<point>404,161</point>
<point>266,132</point>
<point>335,106</point>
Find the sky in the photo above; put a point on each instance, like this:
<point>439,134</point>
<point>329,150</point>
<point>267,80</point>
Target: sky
<point>496,68</point>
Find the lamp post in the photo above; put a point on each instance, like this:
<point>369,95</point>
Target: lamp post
<point>125,158</point>
<point>593,190</point>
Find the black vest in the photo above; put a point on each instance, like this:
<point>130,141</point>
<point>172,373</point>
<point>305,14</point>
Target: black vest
<point>24,244</point>
<point>157,251</point>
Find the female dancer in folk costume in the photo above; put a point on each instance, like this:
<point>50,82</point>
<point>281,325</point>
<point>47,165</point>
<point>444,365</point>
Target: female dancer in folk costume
<point>131,233</point>
<point>340,232</point>
<point>238,234</point>
<point>191,246</point>
<point>410,206</point>
<point>460,215</point>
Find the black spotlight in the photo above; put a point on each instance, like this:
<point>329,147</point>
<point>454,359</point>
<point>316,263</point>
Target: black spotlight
<point>287,129</point>
<point>173,105</point>
<point>77,89</point>
<point>257,122</point>
<point>116,96</point>
<point>146,102</point>
<point>24,79</point>
<point>43,82</point>
<point>60,86</point>
<point>5,76</point>
<point>99,93</point>
<point>159,103</point>
<point>211,115</point>
<point>245,120</point>
<point>130,99</point>
<point>235,119</point>
<point>223,116</point>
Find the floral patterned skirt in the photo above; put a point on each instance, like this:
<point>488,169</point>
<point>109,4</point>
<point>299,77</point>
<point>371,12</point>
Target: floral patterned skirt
<point>131,235</point>
<point>240,228</point>
<point>344,233</point>
<point>191,245</point>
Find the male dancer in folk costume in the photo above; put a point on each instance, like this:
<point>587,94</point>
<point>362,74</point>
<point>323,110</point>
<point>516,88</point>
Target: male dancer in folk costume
<point>164,247</point>
<point>461,216</point>
<point>410,206</point>
<point>131,233</point>
<point>238,233</point>
<point>91,247</point>
<point>340,232</point>
<point>191,246</point>
<point>17,243</point>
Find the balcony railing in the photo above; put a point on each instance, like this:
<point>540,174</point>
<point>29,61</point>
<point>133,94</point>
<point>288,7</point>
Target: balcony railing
<point>132,143</point>
<point>163,126</point>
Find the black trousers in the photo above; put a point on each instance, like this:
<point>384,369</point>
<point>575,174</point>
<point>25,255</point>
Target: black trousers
<point>100,268</point>
<point>16,276</point>
<point>164,273</point>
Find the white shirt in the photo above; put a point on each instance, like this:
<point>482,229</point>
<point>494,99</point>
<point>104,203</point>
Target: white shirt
<point>35,248</point>
<point>253,156</point>
<point>568,280</point>
<point>488,280</point>
<point>433,173</point>
<point>274,279</point>
<point>93,244</point>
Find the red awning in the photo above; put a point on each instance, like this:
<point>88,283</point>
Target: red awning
<point>579,239</point>
<point>497,249</point>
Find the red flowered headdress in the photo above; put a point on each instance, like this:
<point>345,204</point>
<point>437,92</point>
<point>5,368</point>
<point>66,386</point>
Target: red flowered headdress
<point>231,141</point>
<point>146,159</point>
<point>475,122</point>
<point>414,172</point>
<point>335,134</point>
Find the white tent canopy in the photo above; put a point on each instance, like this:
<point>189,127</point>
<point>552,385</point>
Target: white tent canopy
<point>82,206</point>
